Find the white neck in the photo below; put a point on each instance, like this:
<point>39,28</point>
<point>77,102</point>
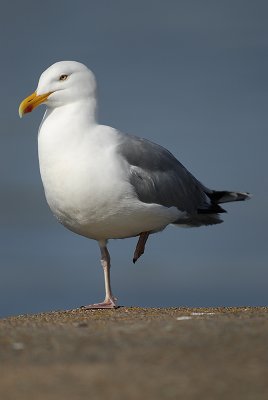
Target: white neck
<point>58,132</point>
<point>84,110</point>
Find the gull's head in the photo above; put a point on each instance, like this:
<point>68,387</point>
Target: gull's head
<point>64,82</point>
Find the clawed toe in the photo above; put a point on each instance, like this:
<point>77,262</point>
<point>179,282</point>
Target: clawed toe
<point>106,304</point>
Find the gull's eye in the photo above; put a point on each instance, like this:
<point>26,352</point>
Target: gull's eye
<point>63,77</point>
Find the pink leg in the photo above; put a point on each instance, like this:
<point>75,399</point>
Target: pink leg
<point>140,246</point>
<point>110,300</point>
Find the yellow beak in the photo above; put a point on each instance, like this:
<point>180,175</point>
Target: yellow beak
<point>31,102</point>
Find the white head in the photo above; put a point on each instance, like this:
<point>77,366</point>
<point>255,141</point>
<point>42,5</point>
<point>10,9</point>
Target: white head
<point>64,82</point>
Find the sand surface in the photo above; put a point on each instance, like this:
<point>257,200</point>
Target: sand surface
<point>136,353</point>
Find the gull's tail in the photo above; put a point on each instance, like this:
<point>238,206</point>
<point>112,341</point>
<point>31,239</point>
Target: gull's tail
<point>210,215</point>
<point>223,196</point>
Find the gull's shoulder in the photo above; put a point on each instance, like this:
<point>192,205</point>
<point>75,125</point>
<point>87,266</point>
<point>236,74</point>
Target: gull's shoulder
<point>129,144</point>
<point>105,135</point>
<point>135,150</point>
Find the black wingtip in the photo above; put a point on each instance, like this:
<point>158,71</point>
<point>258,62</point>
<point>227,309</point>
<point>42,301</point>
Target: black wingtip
<point>225,196</point>
<point>134,260</point>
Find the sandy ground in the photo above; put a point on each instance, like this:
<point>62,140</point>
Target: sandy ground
<point>136,353</point>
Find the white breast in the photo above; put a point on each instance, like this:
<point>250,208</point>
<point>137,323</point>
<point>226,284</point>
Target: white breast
<point>86,183</point>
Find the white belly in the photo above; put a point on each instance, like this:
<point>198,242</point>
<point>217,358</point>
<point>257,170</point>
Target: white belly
<point>87,189</point>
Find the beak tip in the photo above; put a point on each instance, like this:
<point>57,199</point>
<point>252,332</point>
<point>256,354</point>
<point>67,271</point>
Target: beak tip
<point>31,102</point>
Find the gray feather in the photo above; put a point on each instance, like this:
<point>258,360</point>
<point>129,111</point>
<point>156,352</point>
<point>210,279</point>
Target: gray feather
<point>158,177</point>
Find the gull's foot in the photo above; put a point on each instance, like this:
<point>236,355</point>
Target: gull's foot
<point>110,304</point>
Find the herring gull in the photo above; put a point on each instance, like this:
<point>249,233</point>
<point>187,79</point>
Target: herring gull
<point>103,184</point>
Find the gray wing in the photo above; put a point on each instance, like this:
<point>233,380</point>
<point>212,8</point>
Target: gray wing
<point>158,177</point>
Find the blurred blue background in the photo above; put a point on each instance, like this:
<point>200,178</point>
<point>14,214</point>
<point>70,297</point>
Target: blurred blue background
<point>189,75</point>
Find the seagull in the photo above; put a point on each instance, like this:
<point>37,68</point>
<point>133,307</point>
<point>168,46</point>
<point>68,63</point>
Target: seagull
<point>104,184</point>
